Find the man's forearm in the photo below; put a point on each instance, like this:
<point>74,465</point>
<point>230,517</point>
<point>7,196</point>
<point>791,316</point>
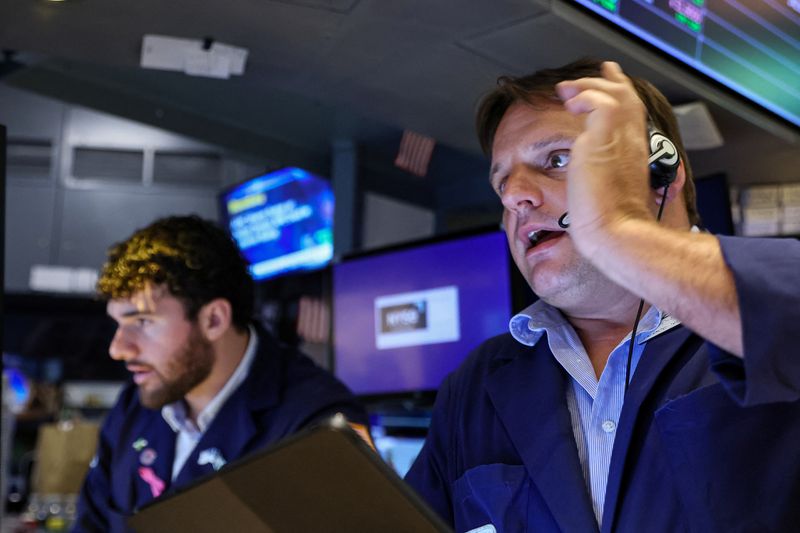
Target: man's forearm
<point>680,272</point>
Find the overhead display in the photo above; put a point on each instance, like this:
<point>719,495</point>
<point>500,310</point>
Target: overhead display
<point>281,221</point>
<point>751,47</point>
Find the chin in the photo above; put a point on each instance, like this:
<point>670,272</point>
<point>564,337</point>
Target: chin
<point>560,289</point>
<point>158,397</point>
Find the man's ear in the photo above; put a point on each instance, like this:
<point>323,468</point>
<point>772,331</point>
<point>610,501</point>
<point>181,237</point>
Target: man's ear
<point>215,318</point>
<point>675,188</point>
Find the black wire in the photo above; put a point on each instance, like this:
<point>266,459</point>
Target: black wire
<point>641,306</point>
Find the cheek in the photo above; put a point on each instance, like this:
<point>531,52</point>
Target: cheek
<point>168,339</point>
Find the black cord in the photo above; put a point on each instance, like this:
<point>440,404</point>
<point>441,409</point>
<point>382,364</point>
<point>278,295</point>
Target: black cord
<point>641,305</point>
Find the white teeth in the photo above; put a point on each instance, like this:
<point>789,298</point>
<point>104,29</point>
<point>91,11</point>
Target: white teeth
<point>533,236</point>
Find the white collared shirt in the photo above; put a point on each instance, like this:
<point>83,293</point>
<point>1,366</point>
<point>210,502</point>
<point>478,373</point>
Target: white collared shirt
<point>189,434</point>
<point>594,404</point>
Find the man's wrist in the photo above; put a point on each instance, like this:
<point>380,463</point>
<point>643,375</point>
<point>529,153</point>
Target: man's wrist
<point>610,234</point>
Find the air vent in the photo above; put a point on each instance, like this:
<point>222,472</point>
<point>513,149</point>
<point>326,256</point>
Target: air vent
<point>188,169</point>
<point>123,166</point>
<point>29,158</point>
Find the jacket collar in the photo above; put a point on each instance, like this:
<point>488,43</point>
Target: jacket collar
<point>234,426</point>
<point>541,431</point>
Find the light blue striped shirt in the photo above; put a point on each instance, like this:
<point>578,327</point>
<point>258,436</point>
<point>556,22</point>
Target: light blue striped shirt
<point>594,405</point>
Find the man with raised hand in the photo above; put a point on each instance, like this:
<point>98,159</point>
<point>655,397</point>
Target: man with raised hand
<point>566,423</point>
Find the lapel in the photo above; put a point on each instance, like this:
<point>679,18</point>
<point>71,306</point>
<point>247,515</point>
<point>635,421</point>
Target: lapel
<point>233,430</point>
<point>225,440</point>
<point>153,451</point>
<point>529,395</point>
<point>658,353</point>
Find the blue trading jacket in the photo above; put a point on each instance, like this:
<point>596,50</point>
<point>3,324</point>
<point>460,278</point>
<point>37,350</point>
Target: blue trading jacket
<point>283,392</point>
<point>706,441</point>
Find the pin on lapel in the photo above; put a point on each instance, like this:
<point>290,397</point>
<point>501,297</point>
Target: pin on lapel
<point>155,483</point>
<point>148,456</point>
<point>213,457</point>
<point>139,444</point>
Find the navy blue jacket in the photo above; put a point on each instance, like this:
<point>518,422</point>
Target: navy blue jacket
<point>283,392</point>
<point>706,441</point>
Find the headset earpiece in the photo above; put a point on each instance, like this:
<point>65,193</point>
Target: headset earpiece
<point>663,160</point>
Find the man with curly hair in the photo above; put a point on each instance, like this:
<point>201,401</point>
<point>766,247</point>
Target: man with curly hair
<point>209,384</point>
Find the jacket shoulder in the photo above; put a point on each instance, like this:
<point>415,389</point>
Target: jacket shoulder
<point>489,355</point>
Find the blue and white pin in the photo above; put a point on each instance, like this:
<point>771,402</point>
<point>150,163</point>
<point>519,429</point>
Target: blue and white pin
<point>213,457</point>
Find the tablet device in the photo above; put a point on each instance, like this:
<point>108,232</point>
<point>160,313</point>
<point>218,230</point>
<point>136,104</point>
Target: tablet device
<point>322,480</point>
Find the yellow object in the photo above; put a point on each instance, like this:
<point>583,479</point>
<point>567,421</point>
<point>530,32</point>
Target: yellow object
<point>63,454</point>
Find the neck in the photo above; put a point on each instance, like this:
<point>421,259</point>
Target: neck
<point>601,333</point>
<point>228,352</point>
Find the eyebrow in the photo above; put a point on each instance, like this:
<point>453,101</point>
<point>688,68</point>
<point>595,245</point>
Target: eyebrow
<point>135,312</point>
<point>541,144</point>
<point>132,313</point>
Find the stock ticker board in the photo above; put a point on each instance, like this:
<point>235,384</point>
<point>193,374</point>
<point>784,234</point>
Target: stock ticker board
<point>749,46</point>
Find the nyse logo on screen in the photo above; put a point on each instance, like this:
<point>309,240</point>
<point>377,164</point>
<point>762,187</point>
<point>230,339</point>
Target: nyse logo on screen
<point>404,317</point>
<point>416,318</point>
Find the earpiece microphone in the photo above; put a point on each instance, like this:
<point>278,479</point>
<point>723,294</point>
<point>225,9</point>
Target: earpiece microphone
<point>663,161</point>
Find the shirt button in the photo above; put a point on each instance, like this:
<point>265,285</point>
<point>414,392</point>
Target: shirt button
<point>608,426</point>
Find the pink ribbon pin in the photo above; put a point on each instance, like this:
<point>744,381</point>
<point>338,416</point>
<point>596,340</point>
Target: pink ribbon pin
<point>156,483</point>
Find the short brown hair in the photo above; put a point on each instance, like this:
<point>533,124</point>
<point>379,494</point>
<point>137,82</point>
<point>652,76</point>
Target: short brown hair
<point>540,86</point>
<point>196,260</point>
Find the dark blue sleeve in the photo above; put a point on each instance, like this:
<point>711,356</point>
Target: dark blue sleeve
<point>313,394</point>
<point>767,277</point>
<point>94,505</point>
<point>428,474</point>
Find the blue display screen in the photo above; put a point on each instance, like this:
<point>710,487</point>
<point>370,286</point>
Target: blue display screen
<point>750,47</point>
<point>281,221</point>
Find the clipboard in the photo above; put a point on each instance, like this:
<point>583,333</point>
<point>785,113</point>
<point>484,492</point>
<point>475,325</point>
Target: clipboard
<point>322,480</point>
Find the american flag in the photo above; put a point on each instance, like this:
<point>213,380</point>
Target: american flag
<point>313,320</point>
<point>415,152</point>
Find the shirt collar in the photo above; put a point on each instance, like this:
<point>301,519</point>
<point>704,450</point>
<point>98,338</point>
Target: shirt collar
<point>528,326</point>
<point>175,413</point>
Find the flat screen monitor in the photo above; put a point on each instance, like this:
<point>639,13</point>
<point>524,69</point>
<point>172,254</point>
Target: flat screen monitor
<point>404,319</point>
<point>281,221</point>
<point>399,452</point>
<point>714,203</point>
<point>751,47</point>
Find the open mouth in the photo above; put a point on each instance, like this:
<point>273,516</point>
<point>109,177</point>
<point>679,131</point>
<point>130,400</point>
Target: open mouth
<point>537,237</point>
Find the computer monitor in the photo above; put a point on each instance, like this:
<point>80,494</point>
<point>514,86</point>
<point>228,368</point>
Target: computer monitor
<point>714,203</point>
<point>282,221</point>
<point>405,318</point>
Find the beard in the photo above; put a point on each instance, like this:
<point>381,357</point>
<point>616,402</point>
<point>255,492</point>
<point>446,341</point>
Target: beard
<point>187,368</point>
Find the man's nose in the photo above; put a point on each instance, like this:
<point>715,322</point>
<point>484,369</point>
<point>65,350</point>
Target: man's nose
<point>121,347</point>
<point>521,192</point>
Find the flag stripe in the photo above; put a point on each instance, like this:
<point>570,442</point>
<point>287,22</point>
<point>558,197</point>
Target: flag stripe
<point>414,153</point>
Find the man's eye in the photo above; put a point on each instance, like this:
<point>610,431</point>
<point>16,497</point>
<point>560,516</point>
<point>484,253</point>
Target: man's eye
<point>558,160</point>
<point>141,322</point>
<point>500,186</point>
